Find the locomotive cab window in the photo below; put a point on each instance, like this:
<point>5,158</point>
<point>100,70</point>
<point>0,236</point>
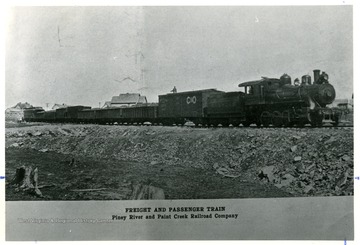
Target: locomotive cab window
<point>249,90</point>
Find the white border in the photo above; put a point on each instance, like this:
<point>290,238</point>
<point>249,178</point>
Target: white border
<point>356,40</point>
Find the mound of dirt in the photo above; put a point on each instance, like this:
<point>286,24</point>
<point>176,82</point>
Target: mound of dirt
<point>304,162</point>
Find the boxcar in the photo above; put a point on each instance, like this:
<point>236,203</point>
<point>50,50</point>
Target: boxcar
<point>180,107</point>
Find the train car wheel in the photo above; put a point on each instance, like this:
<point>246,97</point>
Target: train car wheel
<point>246,124</point>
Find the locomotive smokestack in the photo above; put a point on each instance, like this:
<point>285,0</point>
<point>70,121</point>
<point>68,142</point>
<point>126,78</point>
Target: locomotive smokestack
<point>316,75</point>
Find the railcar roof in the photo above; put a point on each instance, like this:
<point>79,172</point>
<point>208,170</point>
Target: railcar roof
<point>47,111</point>
<point>74,106</point>
<point>79,106</point>
<point>257,81</point>
<point>34,108</point>
<point>195,91</point>
<point>250,83</point>
<point>93,109</point>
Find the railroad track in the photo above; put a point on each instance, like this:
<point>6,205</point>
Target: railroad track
<point>274,127</point>
<point>308,126</point>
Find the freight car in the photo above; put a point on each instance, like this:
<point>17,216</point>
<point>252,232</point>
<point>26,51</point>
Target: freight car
<point>49,116</point>
<point>92,116</point>
<point>32,114</point>
<point>178,108</point>
<point>69,114</point>
<point>121,115</point>
<point>140,114</point>
<point>61,115</point>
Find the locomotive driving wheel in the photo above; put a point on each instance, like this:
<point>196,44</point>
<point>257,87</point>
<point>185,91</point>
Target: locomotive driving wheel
<point>277,119</point>
<point>300,124</point>
<point>265,118</point>
<point>258,123</point>
<point>286,118</point>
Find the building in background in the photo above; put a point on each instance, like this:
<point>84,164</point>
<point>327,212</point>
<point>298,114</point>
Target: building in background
<point>58,106</point>
<point>345,104</point>
<point>16,113</point>
<point>345,107</point>
<point>128,99</point>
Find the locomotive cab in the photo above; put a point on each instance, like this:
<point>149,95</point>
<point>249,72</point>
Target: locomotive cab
<point>259,92</point>
<point>253,92</point>
<point>254,100</point>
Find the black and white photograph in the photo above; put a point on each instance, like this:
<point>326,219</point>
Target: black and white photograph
<point>152,118</point>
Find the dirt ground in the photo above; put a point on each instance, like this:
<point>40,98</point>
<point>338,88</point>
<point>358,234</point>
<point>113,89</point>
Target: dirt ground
<point>187,163</point>
<point>178,182</point>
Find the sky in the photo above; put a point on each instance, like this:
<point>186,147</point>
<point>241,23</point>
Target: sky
<point>86,55</point>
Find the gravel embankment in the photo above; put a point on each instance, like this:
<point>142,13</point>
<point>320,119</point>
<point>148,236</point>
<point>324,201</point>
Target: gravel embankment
<point>305,162</point>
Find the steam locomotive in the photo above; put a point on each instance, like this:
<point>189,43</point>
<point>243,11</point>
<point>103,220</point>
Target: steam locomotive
<point>269,101</point>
